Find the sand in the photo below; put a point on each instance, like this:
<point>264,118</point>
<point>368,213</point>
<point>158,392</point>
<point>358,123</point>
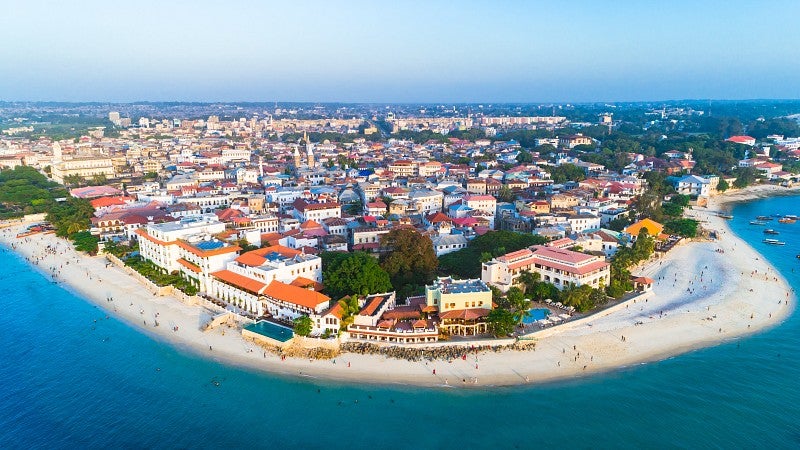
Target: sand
<point>702,297</point>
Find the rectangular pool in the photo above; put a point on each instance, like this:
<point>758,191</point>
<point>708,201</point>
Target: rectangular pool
<point>271,330</point>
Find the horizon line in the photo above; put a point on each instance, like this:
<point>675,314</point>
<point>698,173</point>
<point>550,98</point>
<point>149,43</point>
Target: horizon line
<point>311,102</point>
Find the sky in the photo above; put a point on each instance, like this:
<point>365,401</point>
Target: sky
<point>398,51</point>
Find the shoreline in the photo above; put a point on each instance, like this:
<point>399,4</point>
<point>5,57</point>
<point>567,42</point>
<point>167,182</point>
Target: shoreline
<point>573,350</point>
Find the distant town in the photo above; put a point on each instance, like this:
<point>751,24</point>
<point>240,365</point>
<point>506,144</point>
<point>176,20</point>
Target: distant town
<point>401,224</point>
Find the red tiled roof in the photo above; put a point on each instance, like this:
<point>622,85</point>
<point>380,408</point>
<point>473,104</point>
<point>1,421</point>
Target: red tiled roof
<point>240,281</point>
<point>465,314</point>
<point>304,283</point>
<point>295,295</point>
<point>193,267</point>
<point>371,306</point>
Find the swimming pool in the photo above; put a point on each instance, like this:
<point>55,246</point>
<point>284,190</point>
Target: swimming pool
<point>270,330</point>
<point>536,314</point>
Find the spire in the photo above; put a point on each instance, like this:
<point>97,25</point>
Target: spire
<point>297,157</point>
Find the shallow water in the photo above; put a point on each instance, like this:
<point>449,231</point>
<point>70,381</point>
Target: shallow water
<point>68,381</point>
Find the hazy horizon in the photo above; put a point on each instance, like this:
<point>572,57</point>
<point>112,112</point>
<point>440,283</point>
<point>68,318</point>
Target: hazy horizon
<point>417,52</point>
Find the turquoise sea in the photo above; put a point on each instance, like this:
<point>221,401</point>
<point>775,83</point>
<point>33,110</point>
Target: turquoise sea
<point>67,381</point>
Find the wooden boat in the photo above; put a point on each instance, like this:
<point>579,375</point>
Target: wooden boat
<point>763,218</point>
<point>786,220</point>
<point>773,242</point>
<point>770,231</point>
<point>725,216</point>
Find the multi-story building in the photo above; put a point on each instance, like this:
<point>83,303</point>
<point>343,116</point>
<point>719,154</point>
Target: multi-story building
<point>560,267</point>
<point>316,211</point>
<point>187,246</point>
<point>462,305</point>
<point>82,167</point>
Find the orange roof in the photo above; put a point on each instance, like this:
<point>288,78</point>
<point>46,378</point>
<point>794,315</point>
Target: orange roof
<point>310,224</point>
<point>304,282</point>
<point>653,228</point>
<point>240,281</point>
<point>295,295</point>
<point>193,267</point>
<point>255,258</point>
<point>335,310</point>
<point>370,308</point>
<point>141,232</point>
<point>109,201</point>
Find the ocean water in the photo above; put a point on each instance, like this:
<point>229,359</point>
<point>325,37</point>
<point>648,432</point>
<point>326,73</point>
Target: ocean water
<point>67,381</point>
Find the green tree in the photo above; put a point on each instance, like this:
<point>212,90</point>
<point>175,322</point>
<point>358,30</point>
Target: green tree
<point>303,326</point>
<point>505,194</point>
<point>70,216</point>
<point>410,262</point>
<point>524,157</point>
<point>85,242</point>
<point>350,307</point>
<point>353,273</point>
<point>723,185</point>
<point>566,172</point>
<point>745,176</point>
<point>98,180</point>
<point>682,227</point>
<point>501,322</point>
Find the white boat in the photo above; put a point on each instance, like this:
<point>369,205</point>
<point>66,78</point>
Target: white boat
<point>757,222</point>
<point>773,242</point>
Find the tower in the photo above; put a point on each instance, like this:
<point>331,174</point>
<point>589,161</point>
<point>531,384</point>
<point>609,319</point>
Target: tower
<point>57,155</point>
<point>296,157</point>
<point>309,151</point>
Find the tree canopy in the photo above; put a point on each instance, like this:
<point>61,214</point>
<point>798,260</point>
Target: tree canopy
<point>23,190</point>
<point>566,172</point>
<point>303,326</point>
<point>70,216</point>
<point>410,262</point>
<point>353,273</point>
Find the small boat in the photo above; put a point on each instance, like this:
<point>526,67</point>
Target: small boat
<point>786,220</point>
<point>764,218</point>
<point>773,242</point>
<point>757,222</point>
<point>770,231</point>
<point>791,216</point>
<point>725,216</point>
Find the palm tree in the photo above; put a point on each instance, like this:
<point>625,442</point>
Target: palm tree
<point>350,307</point>
<point>528,280</point>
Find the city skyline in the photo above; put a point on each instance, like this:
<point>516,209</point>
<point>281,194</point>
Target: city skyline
<point>417,52</point>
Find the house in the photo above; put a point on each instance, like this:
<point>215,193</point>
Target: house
<point>448,243</point>
<point>694,186</point>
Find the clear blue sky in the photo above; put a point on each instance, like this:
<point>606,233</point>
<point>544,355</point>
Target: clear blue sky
<point>398,51</point>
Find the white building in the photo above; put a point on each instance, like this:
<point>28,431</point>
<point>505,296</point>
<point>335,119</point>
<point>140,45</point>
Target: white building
<point>187,246</point>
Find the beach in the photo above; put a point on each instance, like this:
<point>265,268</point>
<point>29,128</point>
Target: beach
<point>703,295</point>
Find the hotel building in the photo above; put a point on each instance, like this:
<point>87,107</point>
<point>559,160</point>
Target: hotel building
<point>187,246</point>
<point>560,267</point>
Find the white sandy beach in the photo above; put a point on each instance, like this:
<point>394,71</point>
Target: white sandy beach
<point>724,301</point>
